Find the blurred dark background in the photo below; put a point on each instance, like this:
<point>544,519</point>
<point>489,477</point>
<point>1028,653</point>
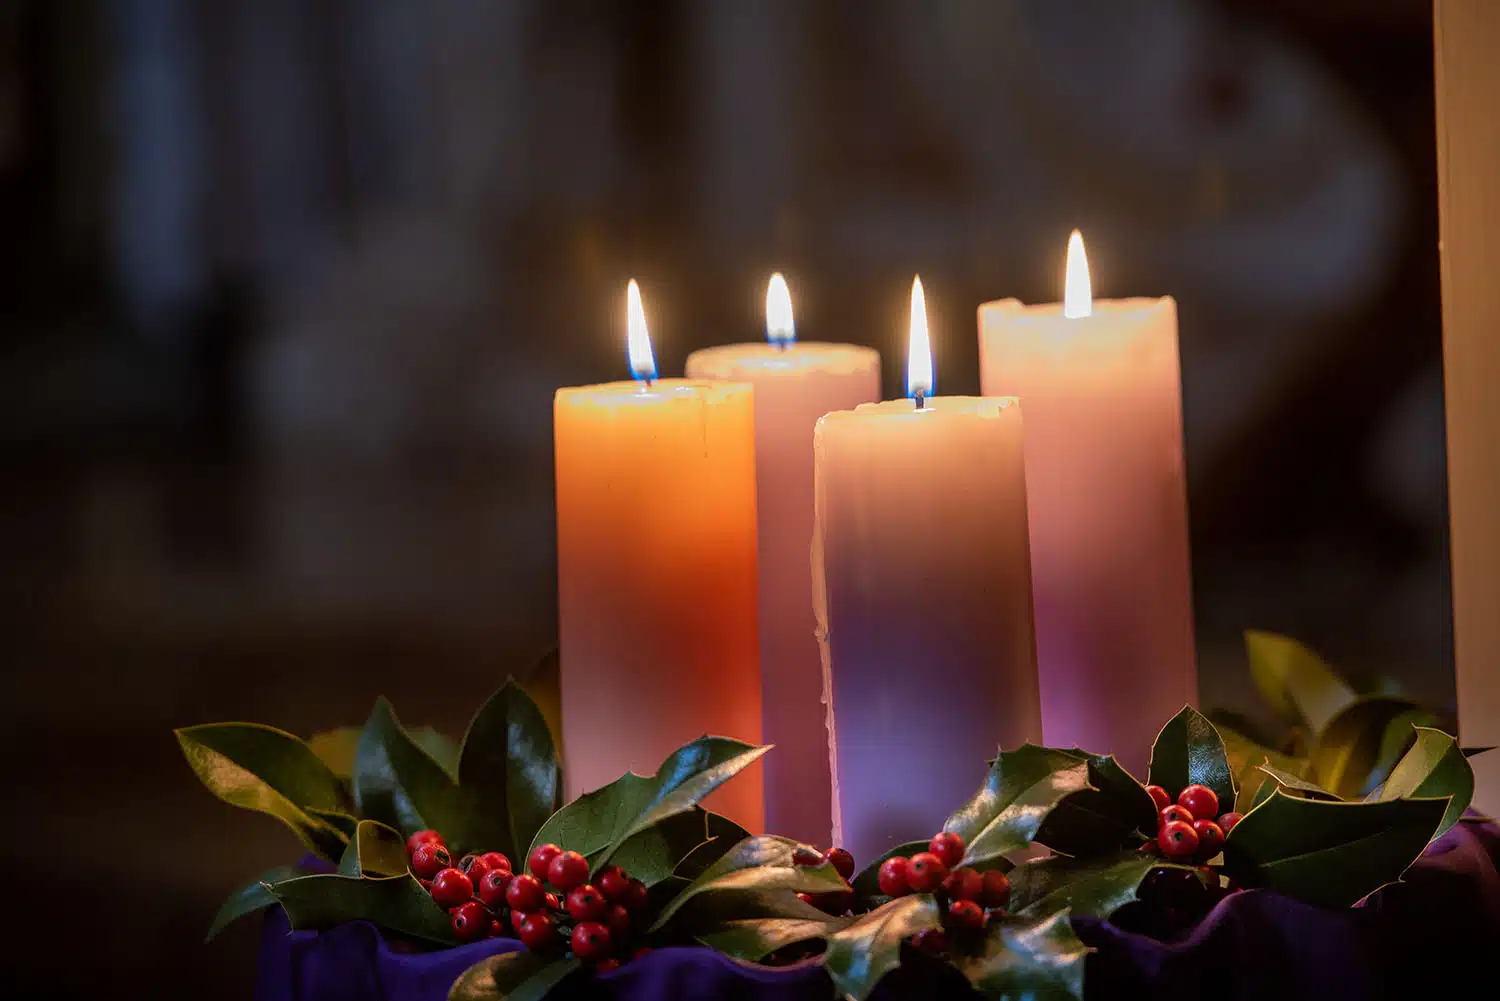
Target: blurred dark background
<point>288,285</point>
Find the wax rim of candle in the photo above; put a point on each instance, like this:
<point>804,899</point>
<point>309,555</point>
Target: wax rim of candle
<point>799,356</point>
<point>658,390</point>
<point>983,407</point>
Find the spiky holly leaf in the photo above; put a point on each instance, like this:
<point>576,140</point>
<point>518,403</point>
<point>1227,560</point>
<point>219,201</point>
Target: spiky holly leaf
<point>1029,959</point>
<point>1113,812</point>
<point>1357,748</point>
<point>751,926</point>
<point>508,772</point>
<point>1295,784</point>
<point>253,896</point>
<point>1435,766</point>
<point>1296,682</point>
<point>857,957</point>
<point>401,785</point>
<point>1189,751</point>
<point>513,976</point>
<point>1022,788</point>
<point>1094,887</point>
<point>397,903</point>
<point>764,862</point>
<point>375,850</point>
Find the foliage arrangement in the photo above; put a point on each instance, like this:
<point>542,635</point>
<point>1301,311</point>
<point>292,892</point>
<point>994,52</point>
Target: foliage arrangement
<point>640,864</point>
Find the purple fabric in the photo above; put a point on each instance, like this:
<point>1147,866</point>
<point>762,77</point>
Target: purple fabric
<point>1438,931</point>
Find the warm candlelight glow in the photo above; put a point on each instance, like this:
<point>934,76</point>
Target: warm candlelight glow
<point>638,340</point>
<point>1078,292</point>
<point>779,327</point>
<point>919,381</point>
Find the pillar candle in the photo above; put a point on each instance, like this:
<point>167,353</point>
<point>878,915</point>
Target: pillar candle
<point>656,574</point>
<point>1101,387</point>
<point>922,585</point>
<point>795,384</point>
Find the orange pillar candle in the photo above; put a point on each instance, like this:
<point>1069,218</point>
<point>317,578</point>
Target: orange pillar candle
<point>656,573</point>
<point>796,383</point>
<point>1105,480</point>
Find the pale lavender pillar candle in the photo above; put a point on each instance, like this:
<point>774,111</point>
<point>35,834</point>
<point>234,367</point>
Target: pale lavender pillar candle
<point>1101,387</point>
<point>795,384</point>
<point>922,581</point>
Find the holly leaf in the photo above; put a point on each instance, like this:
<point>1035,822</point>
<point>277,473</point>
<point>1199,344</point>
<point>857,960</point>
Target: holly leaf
<point>588,823</point>
<point>1359,746</point>
<point>375,850</point>
<point>1296,783</point>
<point>248,899</point>
<point>1435,766</point>
<point>1329,853</point>
<point>508,773</point>
<point>270,771</point>
<point>866,882</point>
<point>654,854</point>
<point>1470,752</point>
<point>1246,754</point>
<point>1115,810</point>
<point>1088,887</point>
<point>1022,788</point>
<point>857,957</point>
<point>723,834</point>
<point>758,863</point>
<point>1189,751</point>
<point>397,903</point>
<point>753,939</point>
<point>337,748</point>
<point>512,976</point>
<point>1296,682</point>
<point>1035,959</point>
<point>399,784</point>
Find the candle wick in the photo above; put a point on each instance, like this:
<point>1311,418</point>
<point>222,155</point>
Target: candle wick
<point>780,346</point>
<point>921,400</point>
<point>648,382</point>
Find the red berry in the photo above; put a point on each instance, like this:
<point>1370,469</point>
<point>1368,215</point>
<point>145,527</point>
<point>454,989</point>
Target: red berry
<point>591,941</point>
<point>895,876</point>
<point>497,930</point>
<point>1159,797</point>
<point>1199,800</point>
<point>963,884</point>
<point>426,884</point>
<point>613,883</point>
<point>1149,848</point>
<point>475,869</point>
<point>586,903</point>
<point>803,855</point>
<point>471,921</point>
<point>451,888</point>
<point>607,965</point>
<point>492,888</point>
<point>1210,837</point>
<point>996,891</point>
<point>541,857</point>
<point>551,901</point>
<point>806,898</point>
<point>422,838</point>
<point>636,897</point>
<point>843,862</point>
<point>538,931</point>
<point>947,846</point>
<point>617,920</point>
<point>429,859</point>
<point>1177,839</point>
<point>496,860</point>
<point>964,914</point>
<point>1227,822</point>
<point>1174,813</point>
<point>516,919</point>
<point>1210,876</point>
<point>525,893</point>
<point>926,872</point>
<point>568,871</point>
<point>931,941</point>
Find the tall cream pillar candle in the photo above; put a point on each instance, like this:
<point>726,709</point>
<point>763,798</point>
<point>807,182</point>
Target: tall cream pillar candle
<point>922,582</point>
<point>795,382</point>
<point>1101,388</point>
<point>656,574</point>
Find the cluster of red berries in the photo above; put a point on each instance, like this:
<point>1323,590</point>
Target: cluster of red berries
<point>836,901</point>
<point>1192,826</point>
<point>593,919</point>
<point>968,897</point>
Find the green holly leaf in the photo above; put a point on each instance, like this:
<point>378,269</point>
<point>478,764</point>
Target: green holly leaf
<point>375,850</point>
<point>1296,783</point>
<point>655,854</point>
<point>399,784</point>
<point>508,773</point>
<point>758,863</point>
<point>1246,754</point>
<point>337,748</point>
<point>1093,887</point>
<point>1435,766</point>
<point>857,957</point>
<point>248,899</point>
<point>513,976</point>
<point>270,771</point>
<point>1029,959</point>
<point>1296,682</point>
<point>723,834</point>
<point>753,939</point>
<point>1470,752</point>
<point>1022,788</point>
<point>1329,853</point>
<point>438,745</point>
<point>1114,811</point>
<point>866,882</point>
<point>1358,747</point>
<point>1189,751</point>
<point>397,903</point>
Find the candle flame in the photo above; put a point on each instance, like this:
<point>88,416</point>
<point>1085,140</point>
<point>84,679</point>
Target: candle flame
<point>638,339</point>
<point>780,330</point>
<point>1078,291</point>
<point>919,381</point>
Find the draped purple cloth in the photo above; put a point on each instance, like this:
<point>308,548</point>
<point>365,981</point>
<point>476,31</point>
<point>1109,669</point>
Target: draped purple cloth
<point>1437,931</point>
